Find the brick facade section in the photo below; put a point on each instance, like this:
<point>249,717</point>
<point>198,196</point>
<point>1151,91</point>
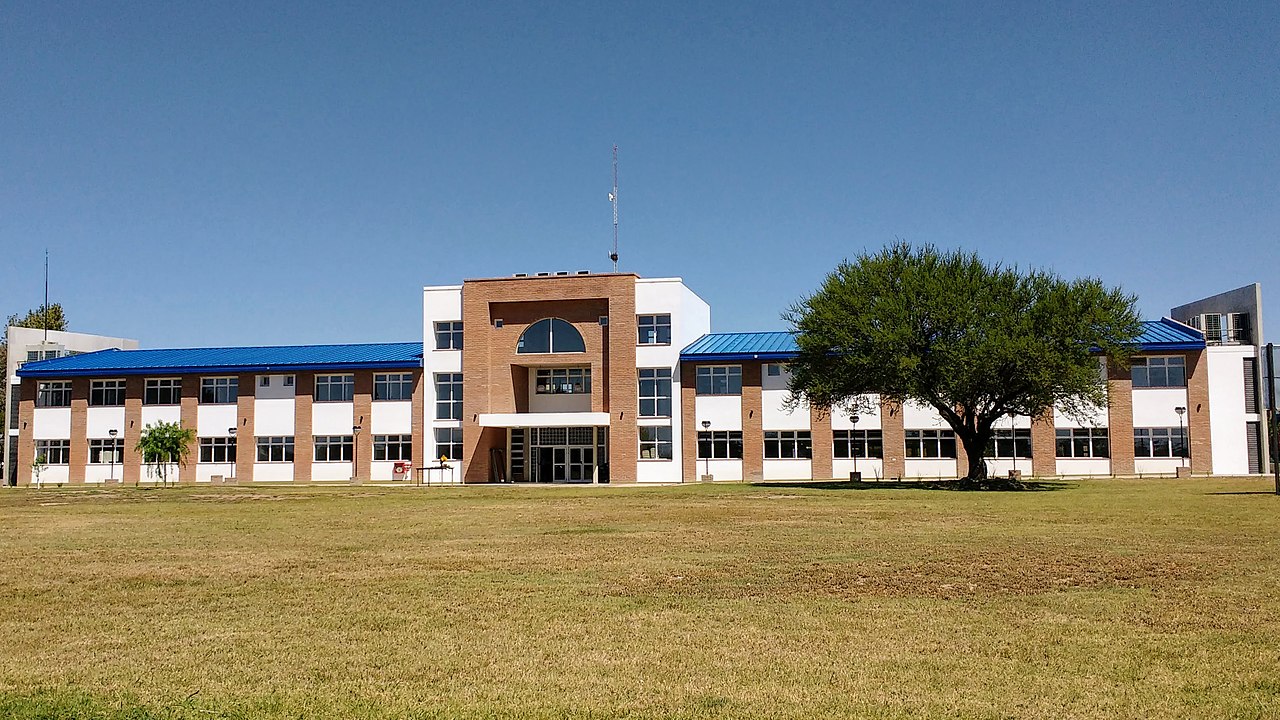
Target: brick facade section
<point>820,427</point>
<point>894,436</point>
<point>304,388</point>
<point>688,423</point>
<point>362,411</point>
<point>1120,419</point>
<point>419,423</point>
<point>495,376</point>
<point>246,443</point>
<point>26,435</point>
<point>79,458</point>
<point>1044,445</point>
<point>131,462</point>
<point>1198,432</point>
<point>752,423</point>
<point>189,409</point>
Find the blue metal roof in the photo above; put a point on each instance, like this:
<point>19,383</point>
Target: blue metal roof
<point>1163,334</point>
<point>229,359</point>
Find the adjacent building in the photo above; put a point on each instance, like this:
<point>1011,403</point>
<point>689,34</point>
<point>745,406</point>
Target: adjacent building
<point>609,377</point>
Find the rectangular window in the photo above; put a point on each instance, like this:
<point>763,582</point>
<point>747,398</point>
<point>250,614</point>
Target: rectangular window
<point>788,445</point>
<point>264,381</point>
<point>773,369</point>
<point>335,388</point>
<point>53,394</point>
<point>857,443</point>
<point>105,451</point>
<point>393,386</point>
<point>217,449</point>
<point>655,442</point>
<point>54,452</point>
<point>219,390</point>
<point>106,393</point>
<point>931,444</point>
<point>1159,372</point>
<point>719,380</point>
<point>720,445</point>
<point>1009,443</point>
<point>448,396</point>
<point>333,448</point>
<point>1168,442</point>
<point>449,335</point>
<point>1082,442</point>
<point>162,391</point>
<point>449,443</point>
<point>654,329</point>
<point>275,449</point>
<point>655,392</point>
<point>392,447</point>
<point>563,381</point>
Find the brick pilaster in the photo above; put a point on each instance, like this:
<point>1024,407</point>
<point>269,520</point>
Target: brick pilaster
<point>894,434</point>
<point>79,457</point>
<point>363,414</point>
<point>1199,435</point>
<point>1044,445</point>
<point>419,422</point>
<point>246,442</point>
<point>26,430</point>
<point>131,461</point>
<point>752,423</point>
<point>688,423</point>
<point>304,388</point>
<point>189,418</point>
<point>1120,419</point>
<point>820,431</point>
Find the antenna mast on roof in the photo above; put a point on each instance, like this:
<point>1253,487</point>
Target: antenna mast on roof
<point>613,198</point>
<point>46,296</point>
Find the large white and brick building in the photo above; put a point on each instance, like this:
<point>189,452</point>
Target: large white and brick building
<point>606,378</point>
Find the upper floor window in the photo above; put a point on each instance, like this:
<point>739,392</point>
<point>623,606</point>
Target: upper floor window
<point>563,381</point>
<point>106,392</point>
<point>219,391</point>
<point>773,369</point>
<point>162,391</point>
<point>654,329</point>
<point>53,394</point>
<point>393,386</point>
<point>449,335</point>
<point>719,379</point>
<point>335,388</point>
<point>1160,372</point>
<point>551,335</point>
<point>449,396</point>
<point>655,392</point>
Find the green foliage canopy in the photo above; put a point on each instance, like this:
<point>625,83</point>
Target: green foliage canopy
<point>162,444</point>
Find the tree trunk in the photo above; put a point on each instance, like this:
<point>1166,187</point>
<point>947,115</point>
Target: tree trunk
<point>975,447</point>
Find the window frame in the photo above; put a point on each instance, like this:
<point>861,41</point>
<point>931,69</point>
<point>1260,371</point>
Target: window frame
<point>854,438</point>
<point>1165,364</point>
<point>728,441</point>
<point>454,435</point>
<point>1004,438</point>
<point>732,380</point>
<point>53,393</point>
<point>557,379</point>
<point>384,383</point>
<point>1076,439</point>
<point>454,383</point>
<point>344,383</point>
<point>654,324</point>
<point>107,389</point>
<point>1150,437</point>
<point>226,387</point>
<point>213,447</point>
<point>154,390</point>
<point>272,443</point>
<point>450,332</point>
<point>98,447</point>
<point>383,448</point>
<point>552,324</point>
<point>651,382</point>
<point>777,443</point>
<point>55,451</point>
<point>923,438</point>
<point>659,438</point>
<point>343,446</point>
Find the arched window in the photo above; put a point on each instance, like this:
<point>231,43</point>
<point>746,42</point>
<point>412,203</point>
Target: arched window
<point>551,335</point>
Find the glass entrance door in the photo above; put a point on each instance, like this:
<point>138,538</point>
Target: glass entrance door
<point>562,454</point>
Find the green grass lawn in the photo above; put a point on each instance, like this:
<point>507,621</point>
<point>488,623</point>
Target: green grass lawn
<point>1098,599</point>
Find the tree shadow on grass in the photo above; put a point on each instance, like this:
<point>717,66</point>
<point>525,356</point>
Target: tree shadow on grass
<point>1242,492</point>
<point>954,485</point>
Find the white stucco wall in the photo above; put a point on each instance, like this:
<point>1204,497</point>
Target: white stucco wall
<point>723,470</point>
<point>724,412</point>
<point>328,471</point>
<point>273,472</point>
<point>775,416</point>
<point>868,416</point>
<point>392,417</point>
<point>215,420</point>
<point>788,470</point>
<point>152,414</point>
<point>1153,407</point>
<point>1084,466</point>
<point>205,471</point>
<point>332,418</point>
<point>1227,418</point>
<point>871,468</point>
<point>273,418</point>
<point>931,468</point>
<point>51,424</point>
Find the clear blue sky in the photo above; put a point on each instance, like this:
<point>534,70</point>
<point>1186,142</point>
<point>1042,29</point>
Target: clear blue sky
<point>231,173</point>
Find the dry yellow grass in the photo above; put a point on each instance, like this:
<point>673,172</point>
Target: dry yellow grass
<point>1099,599</point>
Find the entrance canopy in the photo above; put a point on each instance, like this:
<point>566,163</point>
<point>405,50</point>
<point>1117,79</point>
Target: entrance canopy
<point>541,420</point>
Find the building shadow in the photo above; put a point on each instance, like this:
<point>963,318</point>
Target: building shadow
<point>935,485</point>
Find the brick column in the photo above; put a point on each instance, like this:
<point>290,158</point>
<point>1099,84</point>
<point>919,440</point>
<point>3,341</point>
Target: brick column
<point>820,430</point>
<point>304,388</point>
<point>1120,419</point>
<point>894,435</point>
<point>79,423</point>
<point>419,422</point>
<point>130,460</point>
<point>246,442</point>
<point>752,423</point>
<point>189,418</point>
<point>26,429</point>
<point>1044,445</point>
<point>1199,435</point>
<point>688,423</point>
<point>363,415</point>
<point>618,354</point>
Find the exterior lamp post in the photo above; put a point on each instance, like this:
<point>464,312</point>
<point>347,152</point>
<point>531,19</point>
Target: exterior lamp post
<point>1182,432</point>
<point>112,432</point>
<point>232,432</point>
<point>706,425</point>
<point>853,420</point>
<point>355,449</point>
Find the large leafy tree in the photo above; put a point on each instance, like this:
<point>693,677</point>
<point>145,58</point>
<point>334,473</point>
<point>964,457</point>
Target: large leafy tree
<point>163,444</point>
<point>975,341</point>
<point>41,318</point>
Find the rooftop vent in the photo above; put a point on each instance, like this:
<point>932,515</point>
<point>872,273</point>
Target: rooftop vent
<point>544,274</point>
<point>584,272</point>
<point>521,275</point>
<point>561,273</point>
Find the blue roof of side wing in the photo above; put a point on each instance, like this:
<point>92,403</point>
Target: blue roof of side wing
<point>229,359</point>
<point>1163,334</point>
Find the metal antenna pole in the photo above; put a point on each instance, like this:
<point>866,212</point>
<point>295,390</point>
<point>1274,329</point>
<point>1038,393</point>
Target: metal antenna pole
<point>46,296</point>
<point>1273,431</point>
<point>613,198</point>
